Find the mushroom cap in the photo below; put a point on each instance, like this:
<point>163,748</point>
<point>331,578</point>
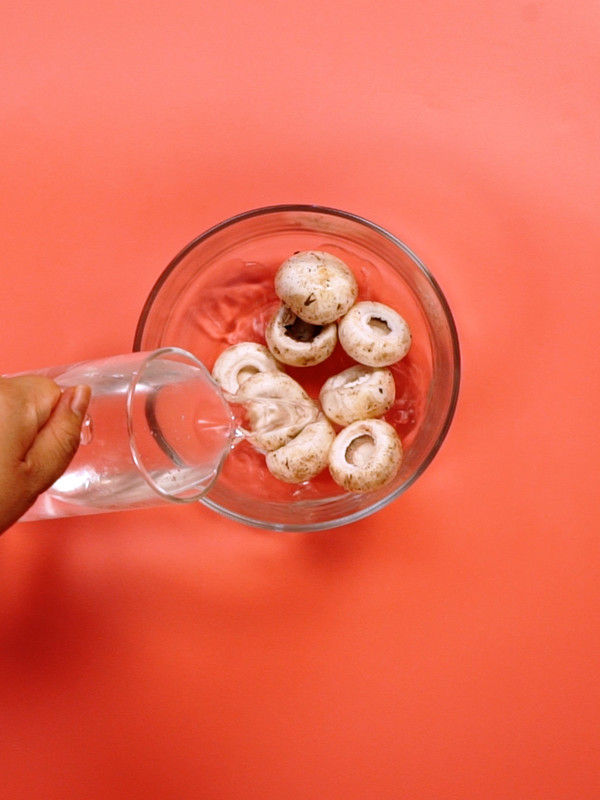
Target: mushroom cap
<point>358,392</point>
<point>277,408</point>
<point>317,286</point>
<point>374,334</point>
<point>238,362</point>
<point>304,456</point>
<point>298,343</point>
<point>365,455</point>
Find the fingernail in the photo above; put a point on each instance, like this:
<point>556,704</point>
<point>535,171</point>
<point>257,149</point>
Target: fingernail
<point>80,400</point>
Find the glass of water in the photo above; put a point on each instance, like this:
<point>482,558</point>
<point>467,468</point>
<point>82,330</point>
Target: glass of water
<point>157,430</point>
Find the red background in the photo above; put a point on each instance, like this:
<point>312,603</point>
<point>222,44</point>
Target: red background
<point>444,648</point>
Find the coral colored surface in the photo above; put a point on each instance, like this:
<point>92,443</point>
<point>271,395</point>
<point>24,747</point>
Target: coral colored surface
<point>445,649</point>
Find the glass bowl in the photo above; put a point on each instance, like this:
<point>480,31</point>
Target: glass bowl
<point>219,291</point>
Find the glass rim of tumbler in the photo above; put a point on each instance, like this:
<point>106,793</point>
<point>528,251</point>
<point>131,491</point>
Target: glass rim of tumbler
<point>154,355</point>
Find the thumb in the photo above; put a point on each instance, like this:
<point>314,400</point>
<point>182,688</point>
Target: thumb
<point>58,440</point>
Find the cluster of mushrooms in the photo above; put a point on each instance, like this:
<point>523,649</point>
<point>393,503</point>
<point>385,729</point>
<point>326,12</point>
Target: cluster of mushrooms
<point>319,307</point>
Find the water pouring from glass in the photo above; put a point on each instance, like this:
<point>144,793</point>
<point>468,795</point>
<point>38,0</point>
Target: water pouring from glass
<point>157,430</point>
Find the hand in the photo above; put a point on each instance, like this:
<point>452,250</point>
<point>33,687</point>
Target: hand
<point>40,425</point>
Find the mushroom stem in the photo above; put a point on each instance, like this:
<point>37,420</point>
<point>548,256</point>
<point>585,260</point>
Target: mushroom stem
<point>360,450</point>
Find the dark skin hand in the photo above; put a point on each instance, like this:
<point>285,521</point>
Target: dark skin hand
<point>40,425</point>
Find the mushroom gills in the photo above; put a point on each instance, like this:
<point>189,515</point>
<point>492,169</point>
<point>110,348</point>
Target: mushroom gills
<point>296,342</point>
<point>299,330</point>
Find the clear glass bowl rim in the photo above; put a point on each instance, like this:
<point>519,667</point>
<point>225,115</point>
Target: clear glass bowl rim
<point>449,318</point>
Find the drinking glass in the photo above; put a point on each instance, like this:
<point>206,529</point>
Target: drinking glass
<point>157,430</point>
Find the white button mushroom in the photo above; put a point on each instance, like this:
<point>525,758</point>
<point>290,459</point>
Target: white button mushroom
<point>305,456</point>
<point>358,392</point>
<point>238,362</point>
<point>317,286</point>
<point>299,343</point>
<point>365,456</point>
<point>374,334</point>
<point>277,408</point>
